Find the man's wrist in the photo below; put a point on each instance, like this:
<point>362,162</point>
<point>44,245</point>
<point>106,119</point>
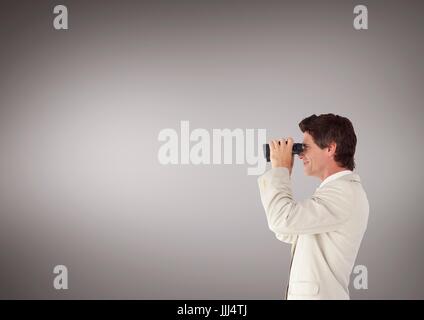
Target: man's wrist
<point>279,172</point>
<point>277,166</point>
<point>280,165</point>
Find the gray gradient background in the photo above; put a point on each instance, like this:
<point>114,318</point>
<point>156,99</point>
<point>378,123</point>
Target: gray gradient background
<point>80,111</point>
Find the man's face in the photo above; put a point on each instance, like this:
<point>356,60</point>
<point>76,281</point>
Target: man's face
<point>315,159</point>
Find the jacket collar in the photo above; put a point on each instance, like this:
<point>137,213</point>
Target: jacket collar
<point>345,175</point>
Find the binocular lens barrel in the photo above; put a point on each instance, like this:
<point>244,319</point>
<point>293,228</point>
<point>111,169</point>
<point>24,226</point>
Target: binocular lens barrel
<point>297,149</point>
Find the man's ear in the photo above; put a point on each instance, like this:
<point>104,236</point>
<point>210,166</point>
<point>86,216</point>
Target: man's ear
<point>332,148</point>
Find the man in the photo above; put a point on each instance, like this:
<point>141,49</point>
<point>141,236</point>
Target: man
<point>325,230</point>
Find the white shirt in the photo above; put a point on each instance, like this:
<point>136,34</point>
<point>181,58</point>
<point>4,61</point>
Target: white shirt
<point>334,176</point>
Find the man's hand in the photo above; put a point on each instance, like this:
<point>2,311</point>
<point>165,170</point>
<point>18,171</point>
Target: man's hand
<point>281,153</point>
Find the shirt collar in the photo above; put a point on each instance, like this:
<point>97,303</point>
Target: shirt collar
<point>334,177</point>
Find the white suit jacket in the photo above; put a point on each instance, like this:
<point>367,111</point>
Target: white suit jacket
<point>325,232</point>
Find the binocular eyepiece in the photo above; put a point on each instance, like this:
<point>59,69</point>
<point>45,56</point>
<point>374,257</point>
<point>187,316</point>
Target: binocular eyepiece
<point>297,149</point>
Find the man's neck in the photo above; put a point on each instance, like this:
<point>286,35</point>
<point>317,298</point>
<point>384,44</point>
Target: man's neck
<point>330,171</point>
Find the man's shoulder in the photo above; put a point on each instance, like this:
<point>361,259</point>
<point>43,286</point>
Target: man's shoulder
<point>341,184</point>
<point>351,177</point>
<point>347,178</point>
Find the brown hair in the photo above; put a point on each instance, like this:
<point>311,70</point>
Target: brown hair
<point>327,128</point>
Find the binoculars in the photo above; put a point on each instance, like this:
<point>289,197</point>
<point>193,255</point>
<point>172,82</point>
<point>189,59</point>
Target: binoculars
<point>297,149</point>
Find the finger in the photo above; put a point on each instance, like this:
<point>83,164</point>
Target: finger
<point>271,145</point>
<point>290,141</point>
<point>282,142</point>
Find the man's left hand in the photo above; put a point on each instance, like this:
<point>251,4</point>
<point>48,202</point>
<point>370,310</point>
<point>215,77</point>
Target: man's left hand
<point>281,153</point>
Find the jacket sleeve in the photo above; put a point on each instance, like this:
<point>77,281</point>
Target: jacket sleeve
<point>287,238</point>
<point>325,211</point>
